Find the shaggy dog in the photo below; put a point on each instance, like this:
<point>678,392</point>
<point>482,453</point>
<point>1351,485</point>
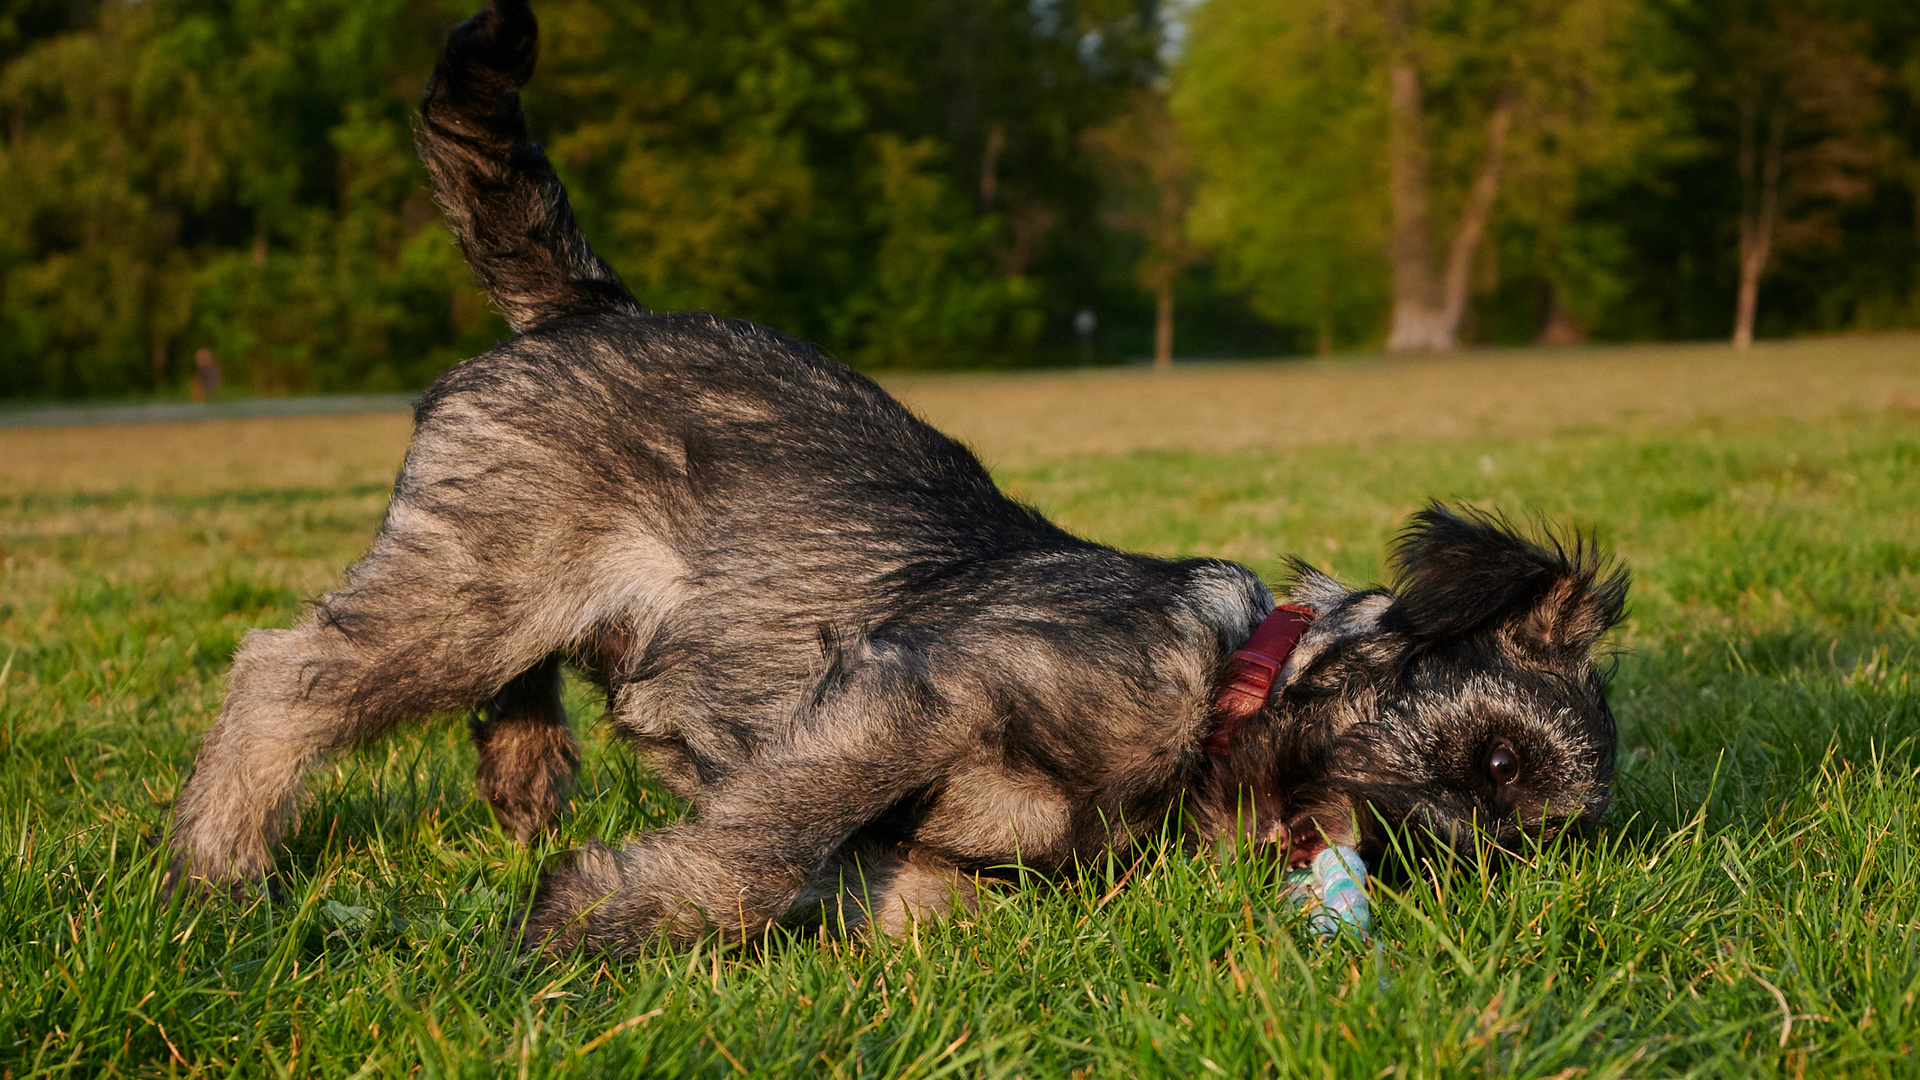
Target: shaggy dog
<point>872,674</point>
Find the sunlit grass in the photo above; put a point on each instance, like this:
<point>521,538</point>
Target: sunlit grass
<point>1751,908</point>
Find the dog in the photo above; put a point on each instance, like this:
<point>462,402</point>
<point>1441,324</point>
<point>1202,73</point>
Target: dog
<point>874,676</point>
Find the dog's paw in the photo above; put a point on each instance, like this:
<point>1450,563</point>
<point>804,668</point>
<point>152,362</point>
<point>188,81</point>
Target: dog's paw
<point>561,918</point>
<point>183,879</point>
<point>605,900</point>
<point>525,772</point>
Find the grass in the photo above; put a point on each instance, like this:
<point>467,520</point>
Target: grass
<point>1752,907</point>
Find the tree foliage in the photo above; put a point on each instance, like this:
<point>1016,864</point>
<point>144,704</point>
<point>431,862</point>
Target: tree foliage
<point>947,182</point>
<point>907,188</point>
<point>1308,113</point>
<point>1150,178</point>
<point>1285,116</point>
<point>236,176</point>
<point>1619,209</point>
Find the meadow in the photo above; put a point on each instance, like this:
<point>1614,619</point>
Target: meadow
<point>1751,907</point>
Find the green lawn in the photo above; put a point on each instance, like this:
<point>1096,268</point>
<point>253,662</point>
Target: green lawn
<point>1752,906</point>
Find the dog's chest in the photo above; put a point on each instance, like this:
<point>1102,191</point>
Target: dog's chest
<point>991,813</point>
<point>1040,801</point>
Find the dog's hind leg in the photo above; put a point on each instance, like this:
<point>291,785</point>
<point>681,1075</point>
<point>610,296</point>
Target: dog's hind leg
<point>409,635</point>
<point>527,755</point>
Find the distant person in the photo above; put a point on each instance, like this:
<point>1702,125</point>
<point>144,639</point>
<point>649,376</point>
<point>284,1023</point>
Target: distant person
<point>206,374</point>
<point>1085,322</point>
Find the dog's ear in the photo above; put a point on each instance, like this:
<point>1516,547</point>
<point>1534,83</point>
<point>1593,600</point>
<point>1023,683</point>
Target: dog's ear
<point>1460,572</point>
<point>1347,643</point>
<point>1307,585</point>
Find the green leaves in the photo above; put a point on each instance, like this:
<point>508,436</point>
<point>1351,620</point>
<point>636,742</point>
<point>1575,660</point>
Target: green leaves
<point>239,176</point>
<point>1287,106</point>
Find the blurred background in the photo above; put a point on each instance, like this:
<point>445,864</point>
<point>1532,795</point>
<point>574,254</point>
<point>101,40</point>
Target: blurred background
<point>965,183</point>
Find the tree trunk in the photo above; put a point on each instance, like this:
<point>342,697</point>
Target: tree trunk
<point>1560,327</point>
<point>990,167</point>
<point>1415,308</point>
<point>1913,186</point>
<point>1163,324</point>
<point>1759,208</point>
<point>1427,312</point>
<point>1474,217</point>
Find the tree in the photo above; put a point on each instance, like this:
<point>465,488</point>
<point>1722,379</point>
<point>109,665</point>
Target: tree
<point>98,189</point>
<point>1282,116</point>
<point>1006,88</point>
<point>906,186</point>
<point>1149,192</point>
<point>1804,99</point>
<point>895,183</point>
<point>1347,138</point>
<point>236,176</point>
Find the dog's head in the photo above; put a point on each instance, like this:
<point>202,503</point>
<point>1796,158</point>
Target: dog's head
<point>1462,704</point>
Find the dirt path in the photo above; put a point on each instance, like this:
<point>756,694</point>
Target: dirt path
<point>1020,418</point>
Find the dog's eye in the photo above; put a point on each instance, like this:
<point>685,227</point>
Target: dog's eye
<point>1502,765</point>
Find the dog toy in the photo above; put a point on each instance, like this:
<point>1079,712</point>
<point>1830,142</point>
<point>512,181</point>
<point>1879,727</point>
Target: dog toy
<point>1333,890</point>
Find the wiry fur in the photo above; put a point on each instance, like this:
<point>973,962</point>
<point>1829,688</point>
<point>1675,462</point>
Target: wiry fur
<point>875,677</point>
<point>527,755</point>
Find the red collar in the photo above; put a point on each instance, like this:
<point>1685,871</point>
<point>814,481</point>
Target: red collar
<point>1251,671</point>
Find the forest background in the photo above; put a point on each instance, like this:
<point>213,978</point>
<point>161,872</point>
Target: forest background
<point>949,183</point>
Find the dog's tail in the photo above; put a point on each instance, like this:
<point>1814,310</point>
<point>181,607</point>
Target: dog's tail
<point>502,199</point>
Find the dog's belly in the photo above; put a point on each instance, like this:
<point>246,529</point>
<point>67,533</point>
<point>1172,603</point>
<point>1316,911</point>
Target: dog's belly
<point>986,813</point>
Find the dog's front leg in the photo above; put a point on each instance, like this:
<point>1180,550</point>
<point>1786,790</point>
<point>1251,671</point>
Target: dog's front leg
<point>884,886</point>
<point>733,872</point>
<point>867,738</point>
<point>678,884</point>
<point>527,757</point>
